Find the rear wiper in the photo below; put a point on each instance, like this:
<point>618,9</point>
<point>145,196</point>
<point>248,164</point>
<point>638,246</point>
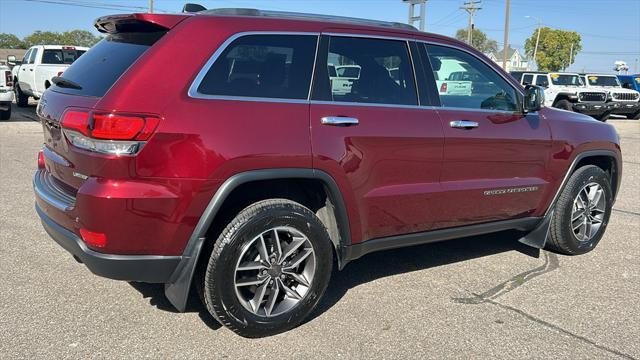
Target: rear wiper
<point>62,82</point>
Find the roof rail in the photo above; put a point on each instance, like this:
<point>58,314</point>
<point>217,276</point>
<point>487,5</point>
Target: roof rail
<point>304,16</point>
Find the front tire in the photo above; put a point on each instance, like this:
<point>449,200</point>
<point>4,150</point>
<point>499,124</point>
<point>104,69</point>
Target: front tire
<point>635,116</point>
<point>6,114</point>
<point>22,100</point>
<point>268,269</point>
<point>564,105</point>
<point>604,117</point>
<point>582,212</point>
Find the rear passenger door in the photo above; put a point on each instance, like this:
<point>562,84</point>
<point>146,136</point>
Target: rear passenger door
<point>375,140</point>
<point>494,156</point>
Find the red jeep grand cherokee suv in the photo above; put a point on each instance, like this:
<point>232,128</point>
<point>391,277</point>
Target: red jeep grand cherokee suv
<point>217,149</point>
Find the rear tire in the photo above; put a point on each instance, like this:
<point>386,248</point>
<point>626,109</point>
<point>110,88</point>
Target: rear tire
<point>22,100</point>
<point>6,114</point>
<point>564,105</point>
<point>582,212</point>
<point>257,288</point>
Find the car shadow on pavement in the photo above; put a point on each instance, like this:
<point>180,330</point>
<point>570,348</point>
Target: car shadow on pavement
<point>399,261</point>
<point>371,267</point>
<point>24,114</point>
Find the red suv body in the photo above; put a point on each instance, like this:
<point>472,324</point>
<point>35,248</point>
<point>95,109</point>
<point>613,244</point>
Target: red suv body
<point>163,132</point>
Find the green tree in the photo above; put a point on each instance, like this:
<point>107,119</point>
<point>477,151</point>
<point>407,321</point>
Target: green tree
<point>479,41</point>
<point>10,41</point>
<point>43,38</point>
<point>554,50</point>
<point>79,38</point>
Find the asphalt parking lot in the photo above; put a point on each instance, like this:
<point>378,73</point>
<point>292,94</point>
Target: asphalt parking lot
<point>481,297</point>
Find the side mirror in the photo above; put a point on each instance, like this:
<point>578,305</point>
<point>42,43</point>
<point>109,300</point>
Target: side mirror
<point>11,59</point>
<point>533,98</point>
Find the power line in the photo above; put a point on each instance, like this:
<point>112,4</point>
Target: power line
<point>94,5</point>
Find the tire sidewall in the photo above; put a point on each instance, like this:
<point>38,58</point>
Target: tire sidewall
<point>219,281</point>
<point>598,176</point>
<point>564,105</point>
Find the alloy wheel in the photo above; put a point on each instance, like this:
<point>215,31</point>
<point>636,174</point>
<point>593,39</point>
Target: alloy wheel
<point>275,271</point>
<point>588,213</point>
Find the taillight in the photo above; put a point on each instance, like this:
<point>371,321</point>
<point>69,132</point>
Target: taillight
<point>443,88</point>
<point>93,239</point>
<point>8,78</point>
<point>40,159</point>
<point>108,133</point>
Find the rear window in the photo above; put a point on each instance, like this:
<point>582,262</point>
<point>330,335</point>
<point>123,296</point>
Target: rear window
<point>60,56</point>
<point>263,66</point>
<point>98,69</point>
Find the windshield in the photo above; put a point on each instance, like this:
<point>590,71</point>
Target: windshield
<point>565,80</point>
<point>603,81</point>
<point>61,56</point>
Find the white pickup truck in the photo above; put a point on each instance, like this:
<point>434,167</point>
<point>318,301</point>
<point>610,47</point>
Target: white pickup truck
<point>6,92</point>
<point>40,64</point>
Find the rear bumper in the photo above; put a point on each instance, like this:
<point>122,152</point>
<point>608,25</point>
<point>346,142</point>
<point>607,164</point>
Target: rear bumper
<point>144,268</point>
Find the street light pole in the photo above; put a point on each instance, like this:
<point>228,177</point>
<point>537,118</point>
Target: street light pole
<point>151,6</point>
<point>506,36</point>
<point>535,50</point>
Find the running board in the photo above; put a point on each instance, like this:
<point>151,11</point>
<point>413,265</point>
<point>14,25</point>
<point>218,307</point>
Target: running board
<point>358,250</point>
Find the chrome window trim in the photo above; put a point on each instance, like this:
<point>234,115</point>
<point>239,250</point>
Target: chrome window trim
<point>506,112</point>
<point>193,89</point>
<point>341,103</point>
<point>380,37</point>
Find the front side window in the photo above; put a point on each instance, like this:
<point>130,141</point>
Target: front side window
<point>541,80</point>
<point>464,81</point>
<point>370,71</point>
<point>263,66</point>
<point>32,58</point>
<point>527,79</point>
<point>25,58</point>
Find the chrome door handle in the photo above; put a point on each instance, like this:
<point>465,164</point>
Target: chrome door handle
<point>463,124</point>
<point>339,121</point>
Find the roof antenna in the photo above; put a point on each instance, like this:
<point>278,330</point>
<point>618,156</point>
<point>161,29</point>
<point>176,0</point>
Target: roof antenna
<point>193,8</point>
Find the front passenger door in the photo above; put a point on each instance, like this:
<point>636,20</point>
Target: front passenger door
<point>494,164</point>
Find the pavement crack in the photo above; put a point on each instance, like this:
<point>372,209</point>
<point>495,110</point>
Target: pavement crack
<point>555,327</point>
<point>627,212</point>
<point>551,263</point>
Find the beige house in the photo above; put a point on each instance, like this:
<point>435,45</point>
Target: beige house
<point>515,60</point>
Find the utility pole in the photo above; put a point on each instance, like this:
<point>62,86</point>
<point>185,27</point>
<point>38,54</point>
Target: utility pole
<point>412,17</point>
<point>571,55</point>
<point>471,8</point>
<point>151,6</point>
<point>535,50</point>
<point>505,51</point>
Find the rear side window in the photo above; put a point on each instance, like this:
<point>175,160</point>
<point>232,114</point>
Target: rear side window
<point>263,66</point>
<point>375,71</point>
<point>60,56</point>
<point>101,66</point>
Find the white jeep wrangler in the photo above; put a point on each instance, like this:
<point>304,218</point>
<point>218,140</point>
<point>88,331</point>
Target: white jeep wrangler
<point>626,101</point>
<point>566,91</point>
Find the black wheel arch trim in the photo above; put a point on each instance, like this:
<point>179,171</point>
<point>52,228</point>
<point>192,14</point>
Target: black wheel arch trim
<point>178,287</point>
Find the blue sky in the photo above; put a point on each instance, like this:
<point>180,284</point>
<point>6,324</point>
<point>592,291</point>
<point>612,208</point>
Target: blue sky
<point>610,29</point>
